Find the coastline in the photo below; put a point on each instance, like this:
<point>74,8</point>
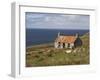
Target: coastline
<point>40,45</point>
<point>47,55</point>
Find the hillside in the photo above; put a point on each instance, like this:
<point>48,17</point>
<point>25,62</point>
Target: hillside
<point>47,55</point>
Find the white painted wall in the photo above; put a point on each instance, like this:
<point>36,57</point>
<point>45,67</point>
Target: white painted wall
<point>61,45</point>
<point>66,45</point>
<point>55,44</point>
<point>72,45</point>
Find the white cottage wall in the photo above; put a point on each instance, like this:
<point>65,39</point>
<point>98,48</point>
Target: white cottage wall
<point>66,45</point>
<point>56,44</point>
<point>71,45</point>
<point>61,45</point>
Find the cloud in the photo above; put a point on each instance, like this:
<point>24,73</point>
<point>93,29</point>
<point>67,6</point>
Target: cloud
<point>57,21</point>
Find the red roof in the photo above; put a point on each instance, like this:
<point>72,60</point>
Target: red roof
<point>66,39</point>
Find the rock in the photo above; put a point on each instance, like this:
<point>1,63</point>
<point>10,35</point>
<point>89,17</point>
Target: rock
<point>83,49</point>
<point>48,51</point>
<point>74,51</point>
<point>68,51</point>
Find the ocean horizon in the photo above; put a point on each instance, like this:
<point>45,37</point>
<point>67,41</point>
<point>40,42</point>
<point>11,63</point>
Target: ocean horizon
<point>42,36</point>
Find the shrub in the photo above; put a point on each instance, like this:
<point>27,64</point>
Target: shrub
<point>49,54</point>
<point>41,58</point>
<point>37,56</point>
<point>40,52</point>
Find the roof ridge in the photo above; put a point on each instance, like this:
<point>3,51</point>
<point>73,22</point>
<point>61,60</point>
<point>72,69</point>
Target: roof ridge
<point>66,38</point>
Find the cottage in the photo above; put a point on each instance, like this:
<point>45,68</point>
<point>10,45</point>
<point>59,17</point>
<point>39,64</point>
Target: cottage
<point>63,41</point>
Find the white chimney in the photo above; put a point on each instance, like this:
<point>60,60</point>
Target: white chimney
<point>77,35</point>
<point>58,34</point>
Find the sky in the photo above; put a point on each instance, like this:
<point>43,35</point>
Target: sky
<point>56,21</point>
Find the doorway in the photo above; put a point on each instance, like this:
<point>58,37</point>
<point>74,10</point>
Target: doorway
<point>63,45</point>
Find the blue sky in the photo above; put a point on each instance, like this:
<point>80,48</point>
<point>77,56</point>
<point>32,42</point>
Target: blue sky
<point>56,21</point>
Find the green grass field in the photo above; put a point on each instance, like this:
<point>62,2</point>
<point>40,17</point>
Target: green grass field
<point>47,55</point>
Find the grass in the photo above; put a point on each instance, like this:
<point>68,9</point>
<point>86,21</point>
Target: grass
<point>47,55</point>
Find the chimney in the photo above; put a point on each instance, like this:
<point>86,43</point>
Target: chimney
<point>58,34</point>
<point>77,35</point>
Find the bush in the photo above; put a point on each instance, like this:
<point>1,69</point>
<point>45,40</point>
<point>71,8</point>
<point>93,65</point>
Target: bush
<point>49,54</point>
<point>40,52</point>
<point>41,58</point>
<point>37,56</point>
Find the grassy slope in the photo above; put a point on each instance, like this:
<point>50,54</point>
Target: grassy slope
<point>47,55</point>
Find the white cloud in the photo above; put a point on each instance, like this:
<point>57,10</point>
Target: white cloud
<point>55,21</point>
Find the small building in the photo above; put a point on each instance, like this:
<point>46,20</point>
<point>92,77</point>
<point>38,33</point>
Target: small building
<point>64,41</point>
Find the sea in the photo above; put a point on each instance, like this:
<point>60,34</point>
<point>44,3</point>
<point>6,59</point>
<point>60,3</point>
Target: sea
<point>42,36</point>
